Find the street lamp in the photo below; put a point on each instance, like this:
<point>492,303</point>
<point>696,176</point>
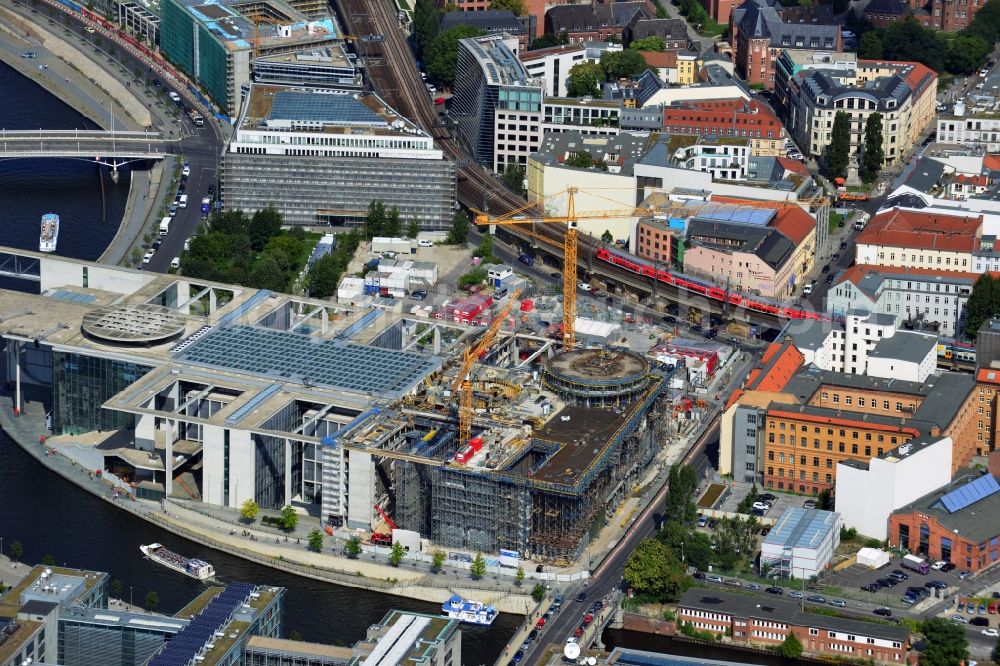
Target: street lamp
<point>130,607</point>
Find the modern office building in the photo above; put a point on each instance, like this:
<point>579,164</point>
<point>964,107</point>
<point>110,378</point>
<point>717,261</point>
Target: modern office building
<point>213,42</point>
<point>330,67</point>
<point>903,93</point>
<point>322,156</point>
<point>552,65</point>
<point>492,88</point>
<point>801,543</point>
<point>343,413</point>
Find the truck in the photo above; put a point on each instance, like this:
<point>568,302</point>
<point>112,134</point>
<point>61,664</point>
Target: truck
<point>196,118</point>
<point>206,205</point>
<point>862,221</point>
<point>914,563</point>
<point>165,225</point>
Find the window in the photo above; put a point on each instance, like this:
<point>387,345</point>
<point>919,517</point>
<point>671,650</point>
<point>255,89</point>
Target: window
<point>885,404</point>
<point>836,398</point>
<point>848,400</point>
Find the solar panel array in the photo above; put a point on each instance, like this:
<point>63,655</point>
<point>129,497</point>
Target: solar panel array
<point>323,108</point>
<point>192,639</point>
<point>970,493</point>
<point>64,295</point>
<point>332,363</point>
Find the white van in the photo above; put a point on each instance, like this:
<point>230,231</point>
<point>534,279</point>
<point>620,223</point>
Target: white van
<point>808,289</point>
<point>423,242</point>
<point>146,257</point>
<point>182,201</point>
<point>175,262</point>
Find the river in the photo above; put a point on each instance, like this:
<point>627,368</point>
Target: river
<point>51,516</point>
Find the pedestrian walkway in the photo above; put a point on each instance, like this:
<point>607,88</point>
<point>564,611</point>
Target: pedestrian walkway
<point>11,572</point>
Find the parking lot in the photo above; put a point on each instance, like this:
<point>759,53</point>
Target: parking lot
<point>781,501</point>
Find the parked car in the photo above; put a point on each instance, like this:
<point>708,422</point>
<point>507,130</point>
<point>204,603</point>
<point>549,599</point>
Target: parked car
<point>882,611</point>
<point>702,521</point>
<point>936,584</point>
<point>949,566</point>
<point>713,578</point>
<point>752,586</point>
<point>733,582</point>
<point>809,504</point>
<point>959,619</point>
<point>979,622</point>
<point>419,294</point>
<point>775,590</point>
<point>698,575</point>
<point>937,566</point>
<point>962,575</point>
<point>839,603</point>
<point>960,607</point>
<point>871,587</point>
<point>900,574</point>
<point>991,632</point>
<point>817,599</point>
<point>982,609</point>
<point>795,595</point>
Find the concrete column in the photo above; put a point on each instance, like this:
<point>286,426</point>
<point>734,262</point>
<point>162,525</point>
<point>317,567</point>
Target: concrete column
<point>211,301</point>
<point>168,458</point>
<point>288,472</point>
<point>17,379</point>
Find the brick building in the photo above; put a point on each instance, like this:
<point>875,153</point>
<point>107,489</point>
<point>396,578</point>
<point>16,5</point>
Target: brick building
<point>987,392</point>
<point>825,418</point>
<point>916,239</point>
<point>959,523</point>
<point>752,620</point>
<point>734,117</point>
<point>946,15</point>
<point>593,22</point>
<point>760,32</point>
<point>654,241</point>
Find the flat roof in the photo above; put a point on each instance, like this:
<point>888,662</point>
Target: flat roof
<point>801,528</point>
<point>281,355</point>
<point>753,606</point>
<point>978,521</point>
<point>284,646</point>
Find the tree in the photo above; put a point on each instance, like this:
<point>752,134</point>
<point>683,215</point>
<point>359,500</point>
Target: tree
<point>908,40</point>
<point>873,155</point>
<point>353,547</point>
<point>249,511</point>
<point>289,518</point>
<point>538,592</point>
<point>841,6</point>
<point>945,643</point>
<point>323,277</point>
<point>585,79</point>
<point>622,64</point>
<point>791,647</point>
<point>135,255</point>
<point>116,588</point>
<point>519,576</point>
<point>294,635</point>
<point>654,572</point>
<point>824,500</point>
<point>413,229</point>
<point>870,46</point>
<point>459,232</point>
<point>397,554</point>
<point>515,6</point>
<point>152,600</point>
<point>513,178</point>
<point>49,561</point>
<point>267,274</point>
<point>16,551</point>
<point>426,24</point>
<point>485,249</point>
<point>651,43</point>
<point>478,568</point>
<point>443,55</point>
<point>682,482</point>
<point>838,150</point>
<point>549,40</point>
<point>437,560</point>
<point>965,54</point>
<point>375,220</point>
<point>316,541</point>
<point>393,223</point>
<point>986,24</point>
<point>581,159</point>
<point>264,225</point>
<point>689,545</point>
<point>983,304</point>
<point>607,237</point>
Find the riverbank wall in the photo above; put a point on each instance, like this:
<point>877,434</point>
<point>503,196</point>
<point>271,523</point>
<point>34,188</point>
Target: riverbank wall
<point>27,430</point>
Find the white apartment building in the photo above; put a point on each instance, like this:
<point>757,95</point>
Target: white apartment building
<point>868,343</point>
<point>929,300</point>
<point>979,129</point>
<point>724,157</point>
<point>919,239</point>
<point>552,65</point>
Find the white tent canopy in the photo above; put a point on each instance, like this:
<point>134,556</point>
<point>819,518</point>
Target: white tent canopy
<point>873,557</point>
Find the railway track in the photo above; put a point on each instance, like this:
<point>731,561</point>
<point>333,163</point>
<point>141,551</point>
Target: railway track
<point>392,72</point>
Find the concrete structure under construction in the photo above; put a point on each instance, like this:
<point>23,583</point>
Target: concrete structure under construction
<point>322,156</point>
<point>184,388</point>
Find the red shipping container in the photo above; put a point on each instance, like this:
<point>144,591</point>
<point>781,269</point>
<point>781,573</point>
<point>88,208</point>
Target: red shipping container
<point>527,305</point>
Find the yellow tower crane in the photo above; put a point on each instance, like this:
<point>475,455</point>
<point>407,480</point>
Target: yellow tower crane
<point>473,352</point>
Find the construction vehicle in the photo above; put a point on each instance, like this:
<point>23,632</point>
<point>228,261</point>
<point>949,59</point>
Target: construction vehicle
<point>463,382</point>
<point>385,517</point>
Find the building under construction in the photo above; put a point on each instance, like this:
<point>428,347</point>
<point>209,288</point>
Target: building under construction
<point>558,444</point>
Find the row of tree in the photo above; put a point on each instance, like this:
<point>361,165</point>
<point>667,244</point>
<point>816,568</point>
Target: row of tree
<point>957,53</point>
<point>586,78</point>
<point>838,152</point>
<point>983,304</point>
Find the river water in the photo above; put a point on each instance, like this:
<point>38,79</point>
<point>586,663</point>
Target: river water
<point>51,516</point>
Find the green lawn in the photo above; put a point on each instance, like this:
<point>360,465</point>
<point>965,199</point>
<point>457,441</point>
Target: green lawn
<point>835,219</point>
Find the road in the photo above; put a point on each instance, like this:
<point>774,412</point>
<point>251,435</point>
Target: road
<point>201,146</point>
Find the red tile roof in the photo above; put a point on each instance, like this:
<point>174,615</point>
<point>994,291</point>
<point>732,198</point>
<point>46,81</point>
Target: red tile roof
<point>988,375</point>
<point>658,59</point>
<point>926,231</point>
<point>780,362</point>
<point>991,162</point>
<point>794,223</point>
<point>795,166</point>
<point>721,115</point>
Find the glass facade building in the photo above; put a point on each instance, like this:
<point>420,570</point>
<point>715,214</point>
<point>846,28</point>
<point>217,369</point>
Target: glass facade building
<point>90,641</point>
<point>81,384</point>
